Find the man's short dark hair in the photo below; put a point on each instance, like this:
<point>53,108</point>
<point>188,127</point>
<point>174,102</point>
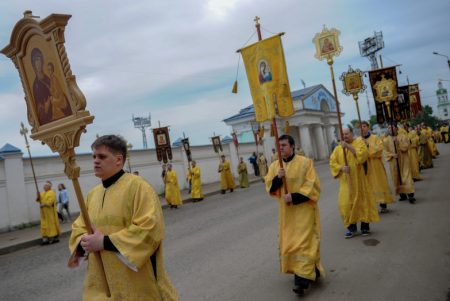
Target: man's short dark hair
<point>366,123</point>
<point>288,138</point>
<point>116,144</point>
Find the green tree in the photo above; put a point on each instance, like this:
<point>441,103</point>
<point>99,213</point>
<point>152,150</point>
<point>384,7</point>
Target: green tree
<point>426,116</point>
<point>373,120</point>
<point>353,124</point>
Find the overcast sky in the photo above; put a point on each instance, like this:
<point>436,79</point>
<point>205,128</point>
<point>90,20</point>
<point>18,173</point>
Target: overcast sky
<point>177,59</point>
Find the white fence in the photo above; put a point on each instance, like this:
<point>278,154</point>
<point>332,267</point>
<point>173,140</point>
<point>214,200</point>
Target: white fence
<point>18,192</point>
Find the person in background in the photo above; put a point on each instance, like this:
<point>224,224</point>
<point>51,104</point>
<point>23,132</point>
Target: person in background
<point>226,177</point>
<point>49,216</point>
<point>243,175</point>
<point>173,193</point>
<point>355,200</point>
<point>63,202</point>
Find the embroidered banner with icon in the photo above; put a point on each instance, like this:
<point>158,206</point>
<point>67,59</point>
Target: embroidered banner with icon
<point>162,144</point>
<point>384,89</point>
<point>414,100</point>
<point>267,77</point>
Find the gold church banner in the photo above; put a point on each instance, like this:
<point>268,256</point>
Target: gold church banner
<point>267,77</point>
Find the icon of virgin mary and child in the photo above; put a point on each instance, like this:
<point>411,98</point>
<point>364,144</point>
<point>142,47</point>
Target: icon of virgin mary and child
<point>264,72</point>
<point>50,101</point>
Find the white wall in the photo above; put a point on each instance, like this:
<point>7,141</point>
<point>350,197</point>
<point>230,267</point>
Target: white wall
<point>52,168</point>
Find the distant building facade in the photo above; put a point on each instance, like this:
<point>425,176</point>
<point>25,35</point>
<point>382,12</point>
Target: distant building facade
<point>443,103</point>
<point>314,125</point>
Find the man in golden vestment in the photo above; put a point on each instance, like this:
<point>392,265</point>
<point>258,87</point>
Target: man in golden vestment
<point>196,182</point>
<point>226,177</point>
<point>444,132</point>
<point>274,156</point>
<point>396,152</point>
<point>299,151</point>
<point>243,174</point>
<point>425,157</point>
<point>262,165</point>
<point>376,174</point>
<point>431,145</point>
<point>413,154</point>
<point>49,215</point>
<point>298,215</point>
<point>173,193</point>
<point>356,202</point>
<point>128,232</point>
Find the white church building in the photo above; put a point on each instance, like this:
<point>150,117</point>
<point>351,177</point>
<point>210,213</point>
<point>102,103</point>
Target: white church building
<point>314,125</point>
<point>443,103</point>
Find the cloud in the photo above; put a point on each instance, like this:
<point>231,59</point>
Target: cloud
<point>177,60</point>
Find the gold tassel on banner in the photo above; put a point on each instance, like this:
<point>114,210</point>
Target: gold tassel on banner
<point>286,127</point>
<point>235,87</point>
<point>261,132</point>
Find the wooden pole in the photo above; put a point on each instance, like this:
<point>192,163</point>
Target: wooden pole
<point>87,222</point>
<point>341,132</point>
<point>23,132</point>
<point>394,134</point>
<point>274,122</point>
<point>355,97</point>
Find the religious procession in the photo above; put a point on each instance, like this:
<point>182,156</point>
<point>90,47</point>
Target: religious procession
<point>302,199</point>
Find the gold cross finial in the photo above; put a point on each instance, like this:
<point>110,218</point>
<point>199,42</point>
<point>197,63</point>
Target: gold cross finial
<point>256,20</point>
<point>23,129</point>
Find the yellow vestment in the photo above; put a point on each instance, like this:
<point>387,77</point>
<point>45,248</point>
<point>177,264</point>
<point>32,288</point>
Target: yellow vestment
<point>444,133</point>
<point>226,178</point>
<point>49,215</point>
<point>298,225</point>
<point>243,175</point>
<point>359,204</point>
<point>413,155</point>
<point>274,157</point>
<point>173,194</point>
<point>431,144</point>
<point>196,188</point>
<point>425,158</point>
<point>376,174</point>
<point>262,165</point>
<point>406,185</point>
<point>130,213</point>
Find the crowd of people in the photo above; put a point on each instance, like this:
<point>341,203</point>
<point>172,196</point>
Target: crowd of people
<point>357,162</point>
<point>364,182</point>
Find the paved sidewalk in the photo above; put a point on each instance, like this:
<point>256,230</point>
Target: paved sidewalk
<point>20,239</point>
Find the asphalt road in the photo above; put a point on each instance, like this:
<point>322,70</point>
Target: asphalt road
<point>225,248</point>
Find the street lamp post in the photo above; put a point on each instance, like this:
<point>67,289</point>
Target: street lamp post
<point>448,59</point>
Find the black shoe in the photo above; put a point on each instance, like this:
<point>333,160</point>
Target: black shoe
<point>402,199</point>
<point>222,191</point>
<point>231,190</point>
<point>45,242</point>
<point>412,200</point>
<point>298,290</point>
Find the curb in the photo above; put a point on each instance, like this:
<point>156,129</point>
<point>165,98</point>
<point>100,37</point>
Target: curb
<point>28,244</point>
